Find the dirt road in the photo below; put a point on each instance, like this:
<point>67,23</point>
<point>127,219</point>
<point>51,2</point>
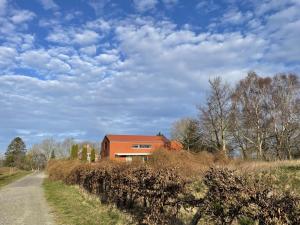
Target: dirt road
<point>23,202</point>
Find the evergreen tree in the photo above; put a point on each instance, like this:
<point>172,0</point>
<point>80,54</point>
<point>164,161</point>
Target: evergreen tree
<point>15,153</point>
<point>93,155</point>
<point>74,151</point>
<point>84,153</point>
<point>52,155</point>
<point>159,134</point>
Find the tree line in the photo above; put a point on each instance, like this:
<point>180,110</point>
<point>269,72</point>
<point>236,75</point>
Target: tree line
<point>17,155</point>
<point>258,118</point>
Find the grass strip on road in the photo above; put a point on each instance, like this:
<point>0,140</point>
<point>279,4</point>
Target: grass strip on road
<point>72,206</point>
<point>7,177</point>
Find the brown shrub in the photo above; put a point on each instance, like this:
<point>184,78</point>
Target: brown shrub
<point>233,197</point>
<point>188,164</point>
<point>60,169</point>
<point>152,193</point>
<point>156,191</point>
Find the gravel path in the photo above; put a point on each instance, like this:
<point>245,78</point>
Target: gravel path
<point>23,202</point>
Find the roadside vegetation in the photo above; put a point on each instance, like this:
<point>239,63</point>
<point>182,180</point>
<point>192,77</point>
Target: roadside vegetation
<point>189,188</point>
<point>9,175</point>
<point>72,206</point>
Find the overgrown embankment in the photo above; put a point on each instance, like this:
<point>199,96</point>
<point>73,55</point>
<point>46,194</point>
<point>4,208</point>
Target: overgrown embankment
<point>184,190</point>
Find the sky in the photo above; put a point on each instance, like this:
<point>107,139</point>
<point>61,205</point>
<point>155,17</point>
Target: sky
<point>86,68</point>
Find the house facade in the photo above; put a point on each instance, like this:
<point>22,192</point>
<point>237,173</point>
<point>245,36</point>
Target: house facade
<point>128,147</point>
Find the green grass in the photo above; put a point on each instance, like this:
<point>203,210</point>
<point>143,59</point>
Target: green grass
<point>8,176</point>
<point>72,206</point>
<point>288,177</point>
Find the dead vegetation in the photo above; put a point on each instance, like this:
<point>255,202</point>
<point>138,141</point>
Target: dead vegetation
<point>203,186</point>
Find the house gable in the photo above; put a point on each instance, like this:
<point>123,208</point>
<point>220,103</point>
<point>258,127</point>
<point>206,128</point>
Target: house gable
<point>122,146</point>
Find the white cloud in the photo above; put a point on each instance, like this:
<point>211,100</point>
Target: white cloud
<point>59,36</point>
<point>145,5</point>
<point>35,58</point>
<point>86,37</point>
<point>42,60</point>
<point>89,50</point>
<point>82,37</point>
<point>49,4</point>
<point>58,66</point>
<point>21,16</point>
<point>7,56</point>
<point>234,16</point>
<point>98,5</point>
<point>107,58</point>
<point>207,6</point>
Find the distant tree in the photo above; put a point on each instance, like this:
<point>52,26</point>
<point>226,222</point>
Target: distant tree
<point>84,153</point>
<point>186,132</point>
<point>74,151</point>
<point>15,153</point>
<point>36,159</point>
<point>52,155</point>
<point>63,148</point>
<point>93,155</point>
<point>47,146</point>
<point>159,134</point>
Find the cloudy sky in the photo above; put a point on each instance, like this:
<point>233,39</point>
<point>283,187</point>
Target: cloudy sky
<point>83,68</point>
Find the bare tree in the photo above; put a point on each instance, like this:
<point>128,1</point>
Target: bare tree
<point>47,146</point>
<point>186,132</point>
<point>215,115</point>
<point>64,148</point>
<point>251,102</point>
<point>285,114</point>
<point>36,158</point>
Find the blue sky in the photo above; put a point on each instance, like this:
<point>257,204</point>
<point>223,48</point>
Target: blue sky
<point>83,68</point>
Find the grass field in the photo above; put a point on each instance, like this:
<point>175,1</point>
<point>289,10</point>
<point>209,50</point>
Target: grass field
<point>72,206</point>
<point>8,175</point>
<point>288,177</point>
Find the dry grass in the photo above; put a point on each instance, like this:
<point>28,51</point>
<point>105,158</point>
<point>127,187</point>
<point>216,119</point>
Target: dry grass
<point>73,206</point>
<point>10,174</point>
<point>261,165</point>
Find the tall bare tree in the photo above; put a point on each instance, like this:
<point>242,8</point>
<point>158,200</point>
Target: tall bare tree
<point>251,100</point>
<point>215,115</point>
<point>285,115</point>
<point>47,146</point>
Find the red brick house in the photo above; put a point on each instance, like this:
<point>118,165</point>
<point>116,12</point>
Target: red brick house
<point>127,147</point>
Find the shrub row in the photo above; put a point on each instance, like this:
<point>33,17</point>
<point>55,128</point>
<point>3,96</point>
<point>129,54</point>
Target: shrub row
<point>155,195</point>
<point>152,195</point>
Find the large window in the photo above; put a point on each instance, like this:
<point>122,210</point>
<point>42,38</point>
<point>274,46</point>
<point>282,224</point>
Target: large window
<point>143,146</point>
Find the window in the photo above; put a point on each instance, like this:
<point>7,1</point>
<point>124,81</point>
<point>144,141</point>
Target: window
<point>141,146</point>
